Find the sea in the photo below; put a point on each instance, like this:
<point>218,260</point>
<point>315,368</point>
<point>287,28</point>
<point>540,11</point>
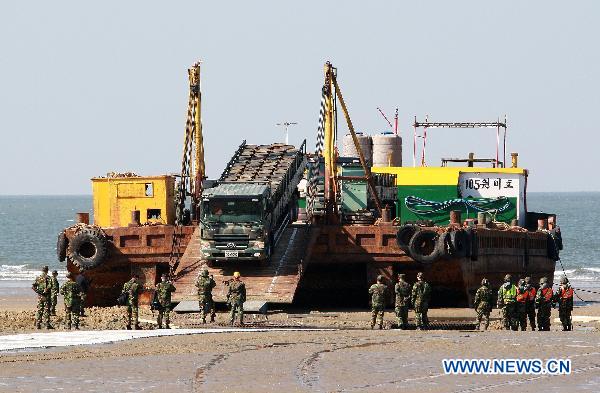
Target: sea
<point>29,226</point>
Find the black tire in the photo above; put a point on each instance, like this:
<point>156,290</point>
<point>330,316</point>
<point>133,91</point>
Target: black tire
<point>557,236</point>
<point>552,246</point>
<point>61,246</point>
<point>474,250</point>
<point>458,244</point>
<point>443,245</point>
<point>88,249</point>
<point>404,234</point>
<point>423,246</point>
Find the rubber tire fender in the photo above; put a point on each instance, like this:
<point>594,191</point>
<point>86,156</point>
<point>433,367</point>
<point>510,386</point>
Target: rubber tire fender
<point>424,237</point>
<point>405,234</point>
<point>474,241</point>
<point>88,239</point>
<point>552,247</point>
<point>61,246</point>
<point>458,243</point>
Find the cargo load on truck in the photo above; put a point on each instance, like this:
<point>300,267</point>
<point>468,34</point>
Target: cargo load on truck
<point>244,214</point>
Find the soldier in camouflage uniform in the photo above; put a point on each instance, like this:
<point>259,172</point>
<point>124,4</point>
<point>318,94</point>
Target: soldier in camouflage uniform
<point>402,291</point>
<point>530,303</point>
<point>71,292</point>
<point>377,292</point>
<point>132,290</point>
<point>205,285</point>
<point>564,298</point>
<point>54,292</point>
<point>543,303</point>
<point>43,286</point>
<point>522,305</point>
<point>236,296</point>
<point>164,289</point>
<point>483,304</point>
<point>421,294</point>
<point>507,302</point>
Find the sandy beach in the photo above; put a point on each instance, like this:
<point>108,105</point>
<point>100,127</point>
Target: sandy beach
<point>348,358</point>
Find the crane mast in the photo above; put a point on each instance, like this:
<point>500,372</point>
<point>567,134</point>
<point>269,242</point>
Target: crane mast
<point>192,164</point>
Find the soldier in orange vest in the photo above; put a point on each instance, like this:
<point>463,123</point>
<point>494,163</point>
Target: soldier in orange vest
<point>564,298</point>
<point>522,305</point>
<point>543,302</point>
<point>530,303</point>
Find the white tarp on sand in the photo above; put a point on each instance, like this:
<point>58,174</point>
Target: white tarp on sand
<point>86,337</point>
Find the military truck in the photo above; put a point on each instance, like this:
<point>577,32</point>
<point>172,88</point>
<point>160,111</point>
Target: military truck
<point>245,212</point>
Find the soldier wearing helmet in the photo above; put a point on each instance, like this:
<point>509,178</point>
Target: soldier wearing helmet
<point>402,291</point>
<point>507,302</point>
<point>483,304</point>
<point>377,292</point>
<point>420,296</point>
<point>564,298</point>
<point>163,293</point>
<point>543,303</point>
<point>43,287</point>
<point>236,296</point>
<point>205,284</point>
<point>530,302</point>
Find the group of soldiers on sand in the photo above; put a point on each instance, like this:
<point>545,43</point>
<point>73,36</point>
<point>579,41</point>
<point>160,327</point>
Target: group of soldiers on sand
<point>75,288</point>
<point>519,303</point>
<point>419,296</point>
<point>47,288</point>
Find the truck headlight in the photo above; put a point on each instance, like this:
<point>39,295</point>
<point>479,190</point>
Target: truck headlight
<point>204,245</point>
<point>259,244</point>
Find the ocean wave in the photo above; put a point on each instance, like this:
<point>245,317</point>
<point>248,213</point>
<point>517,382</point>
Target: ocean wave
<point>579,274</point>
<point>22,273</point>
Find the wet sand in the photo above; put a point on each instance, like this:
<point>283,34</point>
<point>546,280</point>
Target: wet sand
<point>350,359</point>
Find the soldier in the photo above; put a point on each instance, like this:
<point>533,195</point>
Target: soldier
<point>71,294</point>
<point>421,294</point>
<point>543,303</point>
<point>84,284</point>
<point>483,304</point>
<point>377,292</point>
<point>164,289</point>
<point>507,299</point>
<point>564,298</point>
<point>402,290</point>
<point>54,292</point>
<point>530,303</point>
<point>236,296</point>
<point>132,289</point>
<point>42,286</point>
<point>521,305</point>
<point>205,285</point>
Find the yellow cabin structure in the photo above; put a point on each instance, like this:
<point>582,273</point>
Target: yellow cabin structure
<point>116,197</point>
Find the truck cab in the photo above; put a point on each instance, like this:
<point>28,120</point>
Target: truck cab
<point>235,222</point>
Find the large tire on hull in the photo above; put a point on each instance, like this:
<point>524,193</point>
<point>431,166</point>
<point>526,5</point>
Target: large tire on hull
<point>404,234</point>
<point>61,246</point>
<point>423,246</point>
<point>458,244</point>
<point>88,249</point>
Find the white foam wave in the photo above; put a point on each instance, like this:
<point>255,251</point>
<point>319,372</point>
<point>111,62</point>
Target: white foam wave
<point>579,274</point>
<point>21,273</point>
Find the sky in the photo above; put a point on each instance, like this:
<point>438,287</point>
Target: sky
<point>92,87</point>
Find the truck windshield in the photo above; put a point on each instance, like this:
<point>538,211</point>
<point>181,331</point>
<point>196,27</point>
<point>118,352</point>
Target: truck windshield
<point>231,210</point>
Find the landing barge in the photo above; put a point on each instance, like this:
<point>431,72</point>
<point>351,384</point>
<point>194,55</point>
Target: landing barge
<point>321,240</point>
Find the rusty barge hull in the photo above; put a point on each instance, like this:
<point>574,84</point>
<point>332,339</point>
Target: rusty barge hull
<point>324,261</point>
